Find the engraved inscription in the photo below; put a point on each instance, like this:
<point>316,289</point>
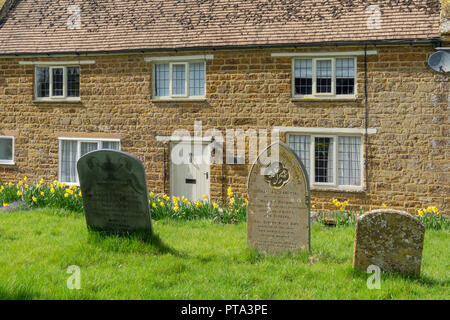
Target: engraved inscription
<point>278,212</point>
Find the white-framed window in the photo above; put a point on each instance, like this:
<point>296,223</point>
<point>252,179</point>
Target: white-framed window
<point>57,82</point>
<point>72,149</point>
<point>6,150</point>
<point>178,79</point>
<point>332,161</point>
<point>324,77</point>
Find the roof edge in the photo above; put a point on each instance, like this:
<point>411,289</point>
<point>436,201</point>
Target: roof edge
<point>434,41</point>
<point>7,7</point>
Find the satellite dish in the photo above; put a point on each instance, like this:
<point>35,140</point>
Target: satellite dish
<point>440,61</point>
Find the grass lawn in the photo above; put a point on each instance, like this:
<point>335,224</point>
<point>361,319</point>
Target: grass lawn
<point>195,260</point>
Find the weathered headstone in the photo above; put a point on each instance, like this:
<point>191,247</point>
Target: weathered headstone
<point>279,203</point>
<point>114,189</point>
<point>389,239</point>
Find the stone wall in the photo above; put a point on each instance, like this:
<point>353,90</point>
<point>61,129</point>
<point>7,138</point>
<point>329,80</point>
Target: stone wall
<point>408,103</point>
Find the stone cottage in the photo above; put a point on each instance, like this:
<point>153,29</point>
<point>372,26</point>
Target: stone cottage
<point>345,83</point>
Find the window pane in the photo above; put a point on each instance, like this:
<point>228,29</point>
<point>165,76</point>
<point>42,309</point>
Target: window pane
<point>73,81</point>
<point>42,82</point>
<point>162,80</point>
<point>6,149</point>
<point>323,76</point>
<point>345,76</point>
<point>178,79</point>
<point>303,76</point>
<point>68,162</point>
<point>350,161</point>
<point>112,145</point>
<point>197,79</point>
<point>323,157</point>
<point>88,147</point>
<point>302,147</point>
<point>58,81</point>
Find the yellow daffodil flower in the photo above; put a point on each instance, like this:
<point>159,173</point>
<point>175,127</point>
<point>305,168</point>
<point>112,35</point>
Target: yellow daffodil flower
<point>52,190</point>
<point>5,205</point>
<point>42,194</point>
<point>230,192</point>
<point>66,195</point>
<point>215,205</point>
<point>34,199</point>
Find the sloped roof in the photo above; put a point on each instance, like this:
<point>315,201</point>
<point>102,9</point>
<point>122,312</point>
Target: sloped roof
<point>112,25</point>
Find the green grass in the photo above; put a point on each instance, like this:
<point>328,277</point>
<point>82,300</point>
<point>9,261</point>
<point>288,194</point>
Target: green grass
<point>193,260</point>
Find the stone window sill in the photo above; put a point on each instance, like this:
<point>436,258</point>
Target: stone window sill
<point>326,99</point>
<point>180,100</point>
<point>339,189</point>
<point>9,164</point>
<point>45,101</point>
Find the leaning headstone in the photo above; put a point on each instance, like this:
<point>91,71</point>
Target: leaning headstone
<point>115,195</point>
<point>389,239</point>
<point>278,213</point>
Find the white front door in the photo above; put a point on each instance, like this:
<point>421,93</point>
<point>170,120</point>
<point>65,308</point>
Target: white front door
<point>190,171</point>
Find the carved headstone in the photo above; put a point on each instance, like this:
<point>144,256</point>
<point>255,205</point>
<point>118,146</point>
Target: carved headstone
<point>389,239</point>
<point>115,195</point>
<point>279,202</point>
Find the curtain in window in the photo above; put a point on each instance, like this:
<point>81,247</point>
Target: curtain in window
<point>6,149</point>
<point>303,76</point>
<point>111,145</point>
<point>88,147</point>
<point>68,161</point>
<point>302,147</point>
<point>162,80</point>
<point>73,81</point>
<point>197,79</point>
<point>324,72</point>
<point>323,160</point>
<point>178,79</point>
<point>350,161</point>
<point>42,82</point>
<point>345,75</point>
<point>58,81</point>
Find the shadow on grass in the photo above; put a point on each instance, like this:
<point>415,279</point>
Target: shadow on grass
<point>138,241</point>
<point>395,275</point>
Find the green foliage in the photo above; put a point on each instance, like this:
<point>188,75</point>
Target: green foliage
<point>40,195</point>
<point>182,209</point>
<point>196,259</point>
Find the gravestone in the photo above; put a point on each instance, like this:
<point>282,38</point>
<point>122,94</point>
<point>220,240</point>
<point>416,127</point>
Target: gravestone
<point>389,239</point>
<point>115,195</point>
<point>278,213</point>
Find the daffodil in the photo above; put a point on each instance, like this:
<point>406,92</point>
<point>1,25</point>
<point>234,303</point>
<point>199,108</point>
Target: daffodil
<point>5,205</point>
<point>79,193</point>
<point>175,208</point>
<point>42,194</point>
<point>232,201</point>
<point>154,205</point>
<point>384,205</point>
<point>161,204</point>
<point>215,205</point>
<point>25,178</point>
<point>230,192</point>
<point>66,195</point>
<point>52,190</point>
<point>313,206</point>
<point>34,199</point>
<point>420,212</point>
<point>19,193</point>
<point>205,197</point>
<point>20,183</point>
<point>152,194</point>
